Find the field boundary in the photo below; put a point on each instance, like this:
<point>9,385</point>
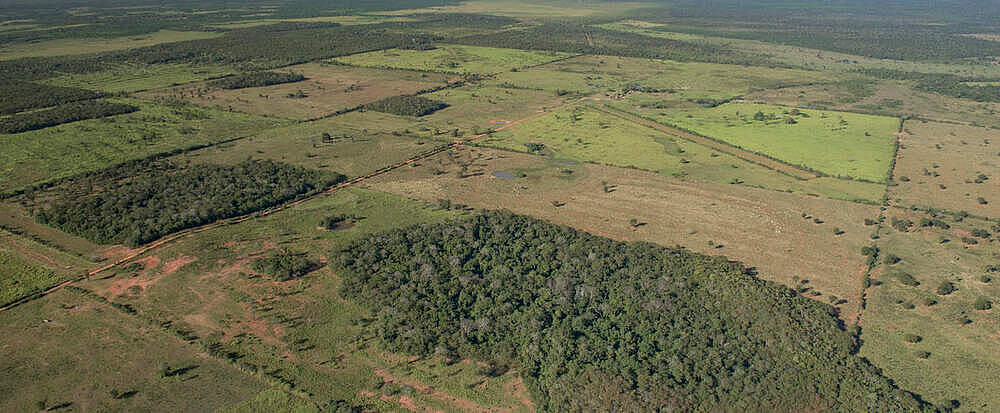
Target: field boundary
<point>749,156</point>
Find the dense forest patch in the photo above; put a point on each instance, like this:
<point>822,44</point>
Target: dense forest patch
<point>16,96</point>
<point>150,205</point>
<point>70,112</point>
<point>257,79</point>
<point>407,105</point>
<point>595,324</point>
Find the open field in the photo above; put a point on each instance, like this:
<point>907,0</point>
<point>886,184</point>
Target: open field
<point>453,59</point>
<point>584,134</point>
<point>63,47</point>
<point>351,150</point>
<point>64,150</point>
<point>132,78</point>
<point>886,98</point>
<point>327,89</point>
<point>961,356</point>
<point>834,143</point>
<point>344,20</point>
<point>67,350</point>
<point>529,9</point>
<point>948,166</point>
<point>761,228</point>
<point>300,330</point>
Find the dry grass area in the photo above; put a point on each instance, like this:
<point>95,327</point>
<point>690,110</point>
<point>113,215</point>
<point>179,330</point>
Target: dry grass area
<point>939,165</point>
<point>327,89</point>
<point>764,229</point>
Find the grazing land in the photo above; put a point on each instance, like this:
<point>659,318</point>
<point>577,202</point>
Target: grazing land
<point>63,47</point>
<point>948,166</point>
<point>133,78</point>
<point>327,89</point>
<point>453,59</point>
<point>839,144</point>
<point>58,152</point>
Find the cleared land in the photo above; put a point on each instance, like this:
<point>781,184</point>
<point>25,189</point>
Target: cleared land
<point>326,90</point>
<point>129,78</point>
<point>586,134</point>
<point>453,59</point>
<point>948,166</point>
<point>764,229</point>
<point>835,143</point>
<point>68,350</point>
<point>72,148</point>
<point>960,356</point>
<point>62,47</point>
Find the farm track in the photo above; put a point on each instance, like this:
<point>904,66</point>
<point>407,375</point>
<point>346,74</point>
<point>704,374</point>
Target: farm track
<point>243,218</point>
<point>743,154</point>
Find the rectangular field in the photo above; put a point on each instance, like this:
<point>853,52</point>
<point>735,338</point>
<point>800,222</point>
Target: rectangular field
<point>327,89</point>
<point>839,144</point>
<point>948,166</point>
<point>133,78</point>
<point>62,47</point>
<point>453,59</point>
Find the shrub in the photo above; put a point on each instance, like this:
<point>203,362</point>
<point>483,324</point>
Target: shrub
<point>891,259</point>
<point>912,338</point>
<point>929,301</point>
<point>946,287</point>
<point>923,354</point>
<point>284,265</point>
<point>906,279</point>
<point>983,304</point>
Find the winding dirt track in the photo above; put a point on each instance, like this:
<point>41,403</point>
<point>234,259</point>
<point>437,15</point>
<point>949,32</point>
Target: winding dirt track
<point>235,220</point>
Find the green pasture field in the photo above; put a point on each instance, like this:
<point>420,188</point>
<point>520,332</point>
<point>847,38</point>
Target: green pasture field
<point>962,356</point>
<point>530,9</point>
<point>835,143</point>
<point>299,329</point>
<point>453,59</point>
<point>328,88</point>
<point>21,277</point>
<point>62,47</point>
<point>271,401</point>
<point>583,134</point>
<point>133,78</point>
<point>68,350</point>
<point>60,151</point>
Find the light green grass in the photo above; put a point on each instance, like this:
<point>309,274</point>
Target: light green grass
<point>129,78</point>
<point>834,143</point>
<point>453,59</point>
<point>68,149</point>
<point>61,47</point>
<point>587,135</point>
<point>21,278</point>
<point>271,401</point>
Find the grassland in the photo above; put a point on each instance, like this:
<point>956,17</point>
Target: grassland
<point>133,78</point>
<point>349,20</point>
<point>948,166</point>
<point>452,59</point>
<point>835,143</point>
<point>961,357</point>
<point>72,148</point>
<point>67,350</point>
<point>22,278</point>
<point>764,229</point>
<point>326,90</point>
<point>529,9</point>
<point>61,47</point>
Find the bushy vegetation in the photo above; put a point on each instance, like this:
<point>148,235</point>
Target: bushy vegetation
<point>944,84</point>
<point>596,325</point>
<point>257,79</point>
<point>70,112</point>
<point>407,105</point>
<point>17,96</point>
<point>21,278</point>
<point>284,265</point>
<point>150,205</point>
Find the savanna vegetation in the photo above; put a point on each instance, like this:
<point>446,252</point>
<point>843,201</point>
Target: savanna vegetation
<point>257,79</point>
<point>70,112</point>
<point>407,105</point>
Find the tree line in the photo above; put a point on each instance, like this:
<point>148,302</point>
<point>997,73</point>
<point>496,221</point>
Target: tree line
<point>594,324</point>
<point>406,105</point>
<point>17,96</point>
<point>157,202</point>
<point>70,112</point>
<point>256,79</point>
